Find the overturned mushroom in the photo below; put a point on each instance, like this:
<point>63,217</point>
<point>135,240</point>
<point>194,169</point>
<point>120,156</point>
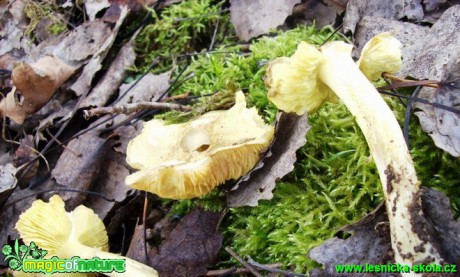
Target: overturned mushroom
<point>302,82</point>
<point>190,159</point>
<point>65,235</point>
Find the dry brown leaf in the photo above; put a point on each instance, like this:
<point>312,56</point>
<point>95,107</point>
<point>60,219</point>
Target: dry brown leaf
<point>92,7</point>
<point>443,228</point>
<point>110,182</point>
<point>148,89</point>
<point>136,249</point>
<point>83,42</point>
<point>369,243</point>
<point>370,240</point>
<point>12,29</point>
<point>259,183</point>
<point>23,160</point>
<point>414,10</point>
<point>257,17</point>
<point>320,13</point>
<point>112,79</point>
<point>8,181</point>
<point>407,33</point>
<point>191,247</point>
<point>78,166</point>
<point>83,83</point>
<point>34,85</point>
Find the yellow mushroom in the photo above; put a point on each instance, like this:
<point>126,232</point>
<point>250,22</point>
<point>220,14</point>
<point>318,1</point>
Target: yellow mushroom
<point>302,82</point>
<point>188,160</point>
<point>67,234</point>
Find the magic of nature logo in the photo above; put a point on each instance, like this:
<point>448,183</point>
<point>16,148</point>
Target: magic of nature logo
<point>31,259</point>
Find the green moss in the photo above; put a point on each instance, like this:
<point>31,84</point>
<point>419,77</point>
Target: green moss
<point>228,69</point>
<point>57,28</point>
<point>335,181</point>
<point>178,29</point>
<point>38,11</point>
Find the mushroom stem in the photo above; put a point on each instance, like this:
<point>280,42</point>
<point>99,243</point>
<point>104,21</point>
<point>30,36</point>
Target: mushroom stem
<point>133,268</point>
<point>409,237</point>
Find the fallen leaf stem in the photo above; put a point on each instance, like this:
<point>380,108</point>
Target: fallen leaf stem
<point>134,107</point>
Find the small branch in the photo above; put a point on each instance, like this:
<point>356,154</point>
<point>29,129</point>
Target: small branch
<point>243,262</point>
<point>401,83</point>
<point>234,271</point>
<point>273,269</point>
<point>131,108</point>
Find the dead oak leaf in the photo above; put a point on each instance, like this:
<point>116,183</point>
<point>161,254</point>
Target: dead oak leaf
<point>34,85</point>
<point>78,166</point>
<point>257,17</point>
<point>279,161</point>
<point>148,89</point>
<point>370,240</point>
<point>369,243</point>
<point>191,246</point>
<point>104,90</point>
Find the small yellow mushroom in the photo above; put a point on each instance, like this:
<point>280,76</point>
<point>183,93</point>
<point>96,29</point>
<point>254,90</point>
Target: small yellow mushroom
<point>380,54</point>
<point>188,160</point>
<point>78,233</point>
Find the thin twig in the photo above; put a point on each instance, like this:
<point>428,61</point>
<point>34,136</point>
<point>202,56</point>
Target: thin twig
<point>243,262</point>
<point>134,107</point>
<point>144,227</point>
<point>274,270</point>
<point>62,145</point>
<point>401,83</point>
<point>420,100</point>
<point>408,113</point>
<point>214,35</point>
<point>231,271</point>
<point>61,190</point>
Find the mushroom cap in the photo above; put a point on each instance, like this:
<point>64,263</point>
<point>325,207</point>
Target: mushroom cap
<point>188,160</point>
<point>380,54</point>
<point>50,227</point>
<point>293,82</point>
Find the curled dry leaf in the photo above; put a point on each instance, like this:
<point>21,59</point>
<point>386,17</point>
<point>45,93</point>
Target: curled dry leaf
<point>34,85</point>
<point>279,161</point>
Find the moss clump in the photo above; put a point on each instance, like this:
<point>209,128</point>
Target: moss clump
<point>228,69</point>
<point>178,29</point>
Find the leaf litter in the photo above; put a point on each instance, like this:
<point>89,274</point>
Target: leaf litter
<point>94,161</point>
